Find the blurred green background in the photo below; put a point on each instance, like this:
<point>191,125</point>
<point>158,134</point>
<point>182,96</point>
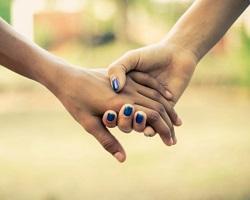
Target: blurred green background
<point>45,155</point>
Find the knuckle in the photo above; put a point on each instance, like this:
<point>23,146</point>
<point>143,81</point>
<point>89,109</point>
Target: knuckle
<point>108,144</point>
<point>116,103</point>
<point>88,126</point>
<point>156,95</point>
<point>160,108</point>
<point>112,69</point>
<point>153,116</point>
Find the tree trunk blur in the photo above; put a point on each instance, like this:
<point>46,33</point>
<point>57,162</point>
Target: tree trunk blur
<point>121,22</point>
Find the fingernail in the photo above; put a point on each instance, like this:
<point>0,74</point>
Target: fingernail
<point>169,142</point>
<point>169,95</point>
<point>110,117</point>
<point>179,121</point>
<point>174,141</point>
<point>119,156</point>
<point>115,84</point>
<point>128,111</point>
<point>139,118</point>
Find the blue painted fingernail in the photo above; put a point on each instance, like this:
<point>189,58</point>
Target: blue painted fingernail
<point>110,117</point>
<point>139,118</point>
<point>128,111</point>
<point>115,84</point>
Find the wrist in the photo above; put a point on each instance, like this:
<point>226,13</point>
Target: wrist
<point>180,38</point>
<point>176,48</point>
<point>61,77</point>
<point>52,72</point>
<point>182,62</point>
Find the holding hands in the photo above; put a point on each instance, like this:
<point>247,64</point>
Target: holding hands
<point>171,65</point>
<point>146,83</point>
<point>86,95</point>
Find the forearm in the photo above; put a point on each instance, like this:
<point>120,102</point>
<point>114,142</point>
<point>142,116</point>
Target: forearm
<point>26,58</point>
<point>204,23</point>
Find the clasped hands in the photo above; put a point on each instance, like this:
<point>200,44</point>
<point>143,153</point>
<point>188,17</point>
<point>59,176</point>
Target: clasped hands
<point>143,99</point>
<point>148,82</point>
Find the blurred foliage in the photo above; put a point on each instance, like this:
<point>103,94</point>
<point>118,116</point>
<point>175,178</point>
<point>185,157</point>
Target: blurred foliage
<point>98,42</point>
<point>92,56</point>
<point>168,12</point>
<point>5,9</point>
<point>245,51</point>
<point>96,28</point>
<point>43,36</point>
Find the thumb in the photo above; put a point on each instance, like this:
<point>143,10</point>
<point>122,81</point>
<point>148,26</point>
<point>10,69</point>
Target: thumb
<point>106,139</point>
<point>118,69</point>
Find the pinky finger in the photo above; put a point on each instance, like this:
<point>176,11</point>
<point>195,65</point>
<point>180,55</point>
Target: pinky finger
<point>109,119</point>
<point>149,131</point>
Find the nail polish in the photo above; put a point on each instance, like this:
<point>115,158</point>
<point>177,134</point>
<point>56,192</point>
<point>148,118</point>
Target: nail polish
<point>139,118</point>
<point>128,111</point>
<point>110,117</point>
<point>115,84</point>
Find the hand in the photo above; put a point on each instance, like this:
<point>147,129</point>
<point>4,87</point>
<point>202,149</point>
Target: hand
<point>169,63</point>
<point>77,89</point>
<point>86,95</point>
<point>137,122</point>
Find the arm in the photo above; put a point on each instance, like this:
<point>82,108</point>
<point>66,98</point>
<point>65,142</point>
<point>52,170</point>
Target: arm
<point>204,23</point>
<point>172,61</point>
<point>26,58</point>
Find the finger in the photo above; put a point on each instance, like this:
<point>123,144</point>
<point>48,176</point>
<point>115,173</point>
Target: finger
<point>155,120</point>
<point>149,131</point>
<point>109,119</point>
<point>118,69</point>
<point>139,122</point>
<point>157,97</point>
<point>158,108</point>
<point>105,138</point>
<point>150,82</point>
<point>125,118</point>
